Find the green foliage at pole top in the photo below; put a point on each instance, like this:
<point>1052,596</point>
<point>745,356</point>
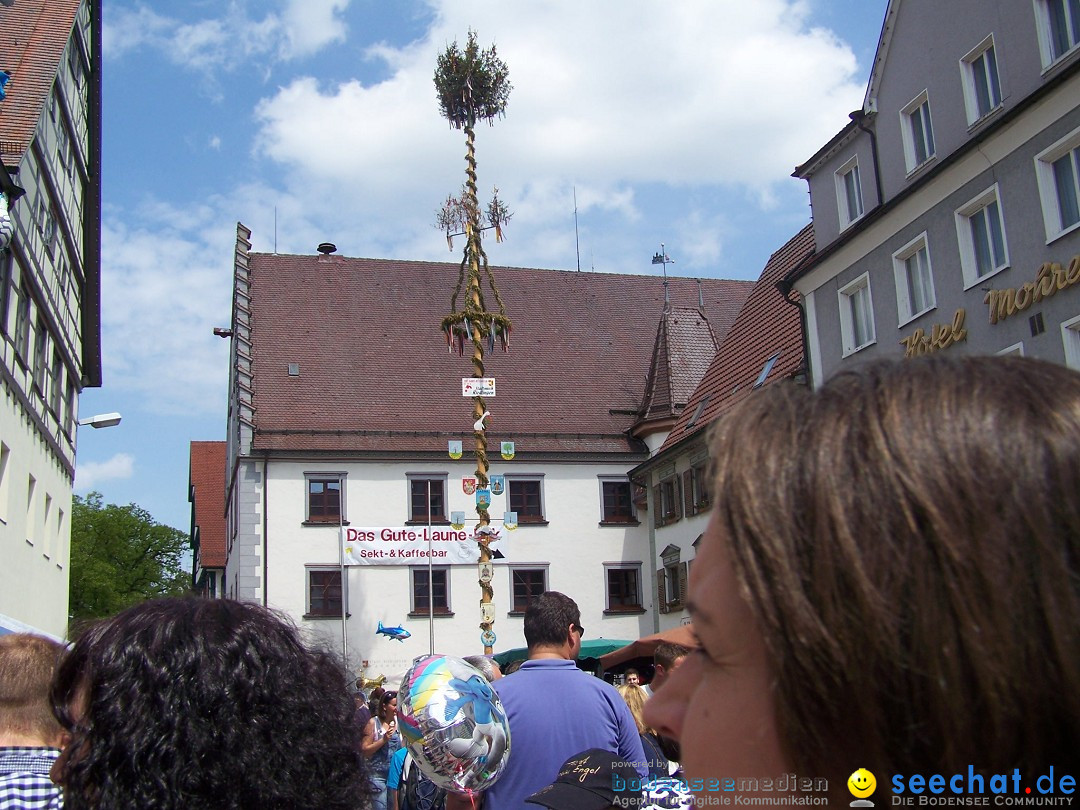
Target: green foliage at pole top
<point>121,556</point>
<point>471,84</point>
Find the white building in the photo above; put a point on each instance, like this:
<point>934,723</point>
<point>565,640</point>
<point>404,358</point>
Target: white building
<point>343,399</point>
<point>50,134</point>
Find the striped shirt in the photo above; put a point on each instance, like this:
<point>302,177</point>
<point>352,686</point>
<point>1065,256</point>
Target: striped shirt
<point>24,779</point>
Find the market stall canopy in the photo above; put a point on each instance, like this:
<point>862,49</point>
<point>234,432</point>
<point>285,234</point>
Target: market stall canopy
<point>643,647</point>
<point>594,648</point>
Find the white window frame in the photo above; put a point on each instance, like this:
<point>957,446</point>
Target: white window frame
<point>970,66</point>
<point>847,216</point>
<point>907,129</point>
<point>905,309</point>
<point>1016,348</point>
<point>1070,337</point>
<point>966,241</point>
<point>623,566</point>
<point>1044,174</point>
<point>1045,32</point>
<point>336,569</point>
<point>847,323</point>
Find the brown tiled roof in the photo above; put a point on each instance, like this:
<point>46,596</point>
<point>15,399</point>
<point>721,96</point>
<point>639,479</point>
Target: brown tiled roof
<point>33,34</point>
<point>767,325</point>
<point>207,495</point>
<point>684,348</point>
<point>375,374</point>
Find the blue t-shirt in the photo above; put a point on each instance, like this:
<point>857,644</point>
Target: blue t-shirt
<point>555,711</point>
<point>397,763</point>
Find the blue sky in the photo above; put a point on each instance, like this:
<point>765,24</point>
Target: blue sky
<point>675,122</point>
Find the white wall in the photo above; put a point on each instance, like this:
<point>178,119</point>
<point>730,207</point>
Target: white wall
<point>573,545</point>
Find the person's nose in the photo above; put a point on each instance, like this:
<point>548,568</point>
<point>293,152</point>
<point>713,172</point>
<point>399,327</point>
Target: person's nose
<point>666,709</point>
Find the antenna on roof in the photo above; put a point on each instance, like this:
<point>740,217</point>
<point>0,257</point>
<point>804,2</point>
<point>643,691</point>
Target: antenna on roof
<point>577,245</point>
<point>275,229</point>
<point>664,259</point>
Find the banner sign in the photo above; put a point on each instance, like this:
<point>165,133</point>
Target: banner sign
<point>408,545</point>
<point>498,483</point>
<point>478,386</point>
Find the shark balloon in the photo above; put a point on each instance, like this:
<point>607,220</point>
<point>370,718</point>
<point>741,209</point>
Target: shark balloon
<point>399,632</point>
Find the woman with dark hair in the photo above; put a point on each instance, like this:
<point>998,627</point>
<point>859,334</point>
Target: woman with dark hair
<point>381,740</point>
<point>890,580</point>
<point>209,703</point>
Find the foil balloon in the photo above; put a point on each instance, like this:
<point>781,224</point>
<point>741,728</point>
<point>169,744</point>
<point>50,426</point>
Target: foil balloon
<point>452,722</point>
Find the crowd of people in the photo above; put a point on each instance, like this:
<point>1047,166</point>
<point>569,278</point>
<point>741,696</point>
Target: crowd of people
<point>889,580</point>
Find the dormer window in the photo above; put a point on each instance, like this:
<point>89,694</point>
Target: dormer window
<point>849,192</point>
<point>982,88</point>
<point>918,131</point>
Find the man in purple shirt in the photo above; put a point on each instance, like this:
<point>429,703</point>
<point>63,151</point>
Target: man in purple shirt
<point>554,709</point>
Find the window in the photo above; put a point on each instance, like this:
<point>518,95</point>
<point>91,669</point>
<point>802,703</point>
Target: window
<point>526,498</point>
<point>982,88</point>
<point>696,489</point>
<point>981,234</point>
<point>526,584</point>
<point>324,592</point>
<point>440,588</point>
<point>427,498</point>
<point>918,132</point>
<point>1059,28</point>
<point>41,351</point>
<point>765,369</point>
<point>671,586</point>
<point>1070,335</point>
<point>914,279</point>
<point>623,587</point>
<point>22,323</point>
<point>5,460</point>
<point>69,410</point>
<point>616,504</point>
<point>324,504</point>
<point>1057,170</point>
<point>47,547</point>
<point>856,315</point>
<point>56,389</point>
<point>667,496</point>
<point>31,517</point>
<point>849,192</point>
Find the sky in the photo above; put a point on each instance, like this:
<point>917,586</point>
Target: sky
<point>316,120</point>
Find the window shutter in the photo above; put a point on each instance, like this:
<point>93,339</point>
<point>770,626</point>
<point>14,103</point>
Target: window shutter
<point>661,590</point>
<point>688,492</point>
<point>676,506</point>
<point>658,508</point>
<point>683,569</point>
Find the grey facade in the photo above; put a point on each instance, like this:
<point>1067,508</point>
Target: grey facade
<point>945,211</point>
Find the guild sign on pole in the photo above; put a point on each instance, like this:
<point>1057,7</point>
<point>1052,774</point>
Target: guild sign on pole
<point>478,386</point>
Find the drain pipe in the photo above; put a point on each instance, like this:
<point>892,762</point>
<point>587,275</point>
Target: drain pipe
<point>859,117</point>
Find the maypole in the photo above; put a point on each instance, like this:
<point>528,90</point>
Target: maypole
<point>472,85</point>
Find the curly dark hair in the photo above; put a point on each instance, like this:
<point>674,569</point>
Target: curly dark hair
<point>209,703</point>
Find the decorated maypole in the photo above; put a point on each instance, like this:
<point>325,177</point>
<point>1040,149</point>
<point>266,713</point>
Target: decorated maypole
<point>472,85</point>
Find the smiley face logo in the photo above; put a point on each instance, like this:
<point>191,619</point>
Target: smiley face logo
<point>861,783</point>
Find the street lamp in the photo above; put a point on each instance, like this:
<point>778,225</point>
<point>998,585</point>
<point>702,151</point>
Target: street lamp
<point>102,420</point>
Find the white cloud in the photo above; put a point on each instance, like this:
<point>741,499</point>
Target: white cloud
<point>91,474</point>
<point>703,93</point>
<point>300,29</point>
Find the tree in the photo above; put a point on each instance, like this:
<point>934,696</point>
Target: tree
<point>120,556</point>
